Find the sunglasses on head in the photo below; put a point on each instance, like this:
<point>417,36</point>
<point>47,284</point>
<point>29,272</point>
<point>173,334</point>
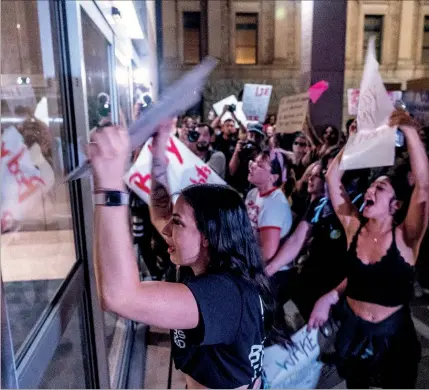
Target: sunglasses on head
<point>300,143</point>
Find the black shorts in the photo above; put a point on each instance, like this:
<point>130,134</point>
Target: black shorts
<point>384,355</point>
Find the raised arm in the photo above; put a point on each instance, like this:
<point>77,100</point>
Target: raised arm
<point>345,210</point>
<point>416,221</point>
<point>311,132</point>
<point>161,304</point>
<point>290,249</point>
<point>217,121</point>
<point>161,206</point>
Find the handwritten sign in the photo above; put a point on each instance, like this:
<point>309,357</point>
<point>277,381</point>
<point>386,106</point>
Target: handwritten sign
<point>353,99</point>
<point>256,99</point>
<point>373,145</point>
<point>292,112</point>
<point>218,107</point>
<point>296,366</point>
<point>183,169</point>
<point>20,179</point>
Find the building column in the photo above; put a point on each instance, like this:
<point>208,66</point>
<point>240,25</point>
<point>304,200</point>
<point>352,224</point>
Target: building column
<point>406,34</point>
<point>323,40</point>
<point>283,15</point>
<point>215,28</point>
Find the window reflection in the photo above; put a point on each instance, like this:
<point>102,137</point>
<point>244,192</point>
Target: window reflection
<point>37,243</point>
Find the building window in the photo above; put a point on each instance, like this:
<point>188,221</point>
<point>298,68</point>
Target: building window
<point>191,37</point>
<point>246,48</point>
<point>425,47</point>
<point>373,27</point>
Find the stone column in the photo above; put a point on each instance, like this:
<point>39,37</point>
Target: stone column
<point>406,34</point>
<point>323,39</point>
<point>281,29</point>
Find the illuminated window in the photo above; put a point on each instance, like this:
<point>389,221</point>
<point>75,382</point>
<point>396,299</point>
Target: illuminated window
<point>373,27</point>
<point>191,37</point>
<point>246,47</point>
<point>425,47</point>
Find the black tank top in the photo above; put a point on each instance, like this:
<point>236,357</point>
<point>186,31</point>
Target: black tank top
<point>388,282</point>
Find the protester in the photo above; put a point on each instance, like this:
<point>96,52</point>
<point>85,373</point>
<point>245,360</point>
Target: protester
<point>225,142</point>
<point>300,148</point>
<point>267,206</point>
<point>245,151</point>
<point>216,312</point>
<point>199,143</point>
<point>377,344</point>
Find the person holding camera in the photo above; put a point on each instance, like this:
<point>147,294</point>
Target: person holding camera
<point>245,151</point>
<point>199,143</point>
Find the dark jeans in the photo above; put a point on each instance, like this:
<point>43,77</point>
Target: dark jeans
<point>384,355</point>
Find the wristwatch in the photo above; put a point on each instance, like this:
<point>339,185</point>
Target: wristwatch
<point>111,198</point>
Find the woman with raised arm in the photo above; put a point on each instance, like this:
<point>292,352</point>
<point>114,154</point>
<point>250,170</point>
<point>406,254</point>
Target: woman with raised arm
<point>377,344</point>
<point>215,312</point>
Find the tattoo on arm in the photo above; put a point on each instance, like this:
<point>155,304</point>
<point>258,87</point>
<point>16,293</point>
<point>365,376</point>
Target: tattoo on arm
<point>160,196</point>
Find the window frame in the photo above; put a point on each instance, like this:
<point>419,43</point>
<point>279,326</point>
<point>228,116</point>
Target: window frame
<point>184,40</point>
<point>379,50</point>
<point>425,30</point>
<point>253,14</point>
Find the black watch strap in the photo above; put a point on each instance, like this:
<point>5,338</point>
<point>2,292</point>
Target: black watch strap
<point>111,198</point>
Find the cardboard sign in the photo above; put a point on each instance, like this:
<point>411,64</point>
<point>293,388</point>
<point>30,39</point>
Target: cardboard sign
<point>296,367</point>
<point>373,145</point>
<point>184,169</point>
<point>353,99</point>
<point>256,99</point>
<point>218,107</point>
<point>292,113</point>
<point>20,179</point>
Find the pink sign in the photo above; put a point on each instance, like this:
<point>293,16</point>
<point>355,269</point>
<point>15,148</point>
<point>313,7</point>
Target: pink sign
<point>317,90</point>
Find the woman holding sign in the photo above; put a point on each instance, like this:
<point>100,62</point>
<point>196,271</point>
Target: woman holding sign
<point>377,344</point>
<point>216,310</point>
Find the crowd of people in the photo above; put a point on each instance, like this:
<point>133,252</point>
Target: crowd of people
<point>289,225</point>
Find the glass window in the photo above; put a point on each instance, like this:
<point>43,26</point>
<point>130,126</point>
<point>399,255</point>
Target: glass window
<point>373,26</point>
<point>246,39</point>
<point>96,57</point>
<point>123,82</point>
<point>191,37</point>
<point>425,48</point>
<point>37,242</point>
<point>66,370</point>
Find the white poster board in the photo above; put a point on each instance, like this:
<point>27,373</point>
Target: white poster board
<point>256,99</point>
<point>353,99</point>
<point>184,169</point>
<point>296,367</point>
<point>292,112</point>
<point>374,143</point>
<point>218,107</point>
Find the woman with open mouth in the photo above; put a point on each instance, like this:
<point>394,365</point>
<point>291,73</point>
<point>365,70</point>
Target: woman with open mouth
<point>377,344</point>
<point>215,311</point>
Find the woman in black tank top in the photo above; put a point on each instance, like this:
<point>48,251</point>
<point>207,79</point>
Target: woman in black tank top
<point>377,344</point>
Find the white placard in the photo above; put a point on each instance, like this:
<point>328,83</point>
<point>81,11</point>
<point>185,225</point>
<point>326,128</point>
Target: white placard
<point>218,107</point>
<point>296,367</point>
<point>256,99</point>
<point>292,113</point>
<point>184,169</point>
<point>374,143</point>
<point>353,99</point>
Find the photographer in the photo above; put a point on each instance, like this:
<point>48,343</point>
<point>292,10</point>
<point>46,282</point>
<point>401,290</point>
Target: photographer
<point>245,151</point>
<point>198,141</point>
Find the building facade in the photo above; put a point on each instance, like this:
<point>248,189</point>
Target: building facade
<point>259,42</point>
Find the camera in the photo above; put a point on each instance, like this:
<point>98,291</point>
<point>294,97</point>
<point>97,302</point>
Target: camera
<point>193,135</point>
<point>231,107</point>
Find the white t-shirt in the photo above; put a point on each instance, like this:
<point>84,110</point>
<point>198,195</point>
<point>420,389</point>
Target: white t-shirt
<point>269,210</point>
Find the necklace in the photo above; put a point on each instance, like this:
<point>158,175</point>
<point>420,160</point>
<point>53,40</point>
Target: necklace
<point>375,239</point>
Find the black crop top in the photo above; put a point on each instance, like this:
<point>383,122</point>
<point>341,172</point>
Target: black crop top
<point>388,282</point>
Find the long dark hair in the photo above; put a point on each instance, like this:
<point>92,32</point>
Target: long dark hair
<point>222,218</point>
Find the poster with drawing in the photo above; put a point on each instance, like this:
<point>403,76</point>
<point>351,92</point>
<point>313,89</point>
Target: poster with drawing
<point>353,99</point>
<point>256,99</point>
<point>373,145</point>
<point>184,169</point>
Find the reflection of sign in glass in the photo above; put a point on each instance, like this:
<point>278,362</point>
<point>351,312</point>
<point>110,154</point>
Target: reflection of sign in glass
<point>292,113</point>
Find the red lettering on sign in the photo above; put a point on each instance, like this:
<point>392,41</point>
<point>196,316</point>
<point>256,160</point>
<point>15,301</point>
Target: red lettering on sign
<point>172,148</point>
<point>27,186</point>
<point>13,164</point>
<point>4,151</point>
<point>140,181</point>
<point>202,173</point>
<point>262,91</point>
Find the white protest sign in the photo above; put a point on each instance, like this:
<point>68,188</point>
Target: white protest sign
<point>292,113</point>
<point>353,99</point>
<point>373,145</point>
<point>256,99</point>
<point>296,367</point>
<point>218,107</point>
<point>184,169</point>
